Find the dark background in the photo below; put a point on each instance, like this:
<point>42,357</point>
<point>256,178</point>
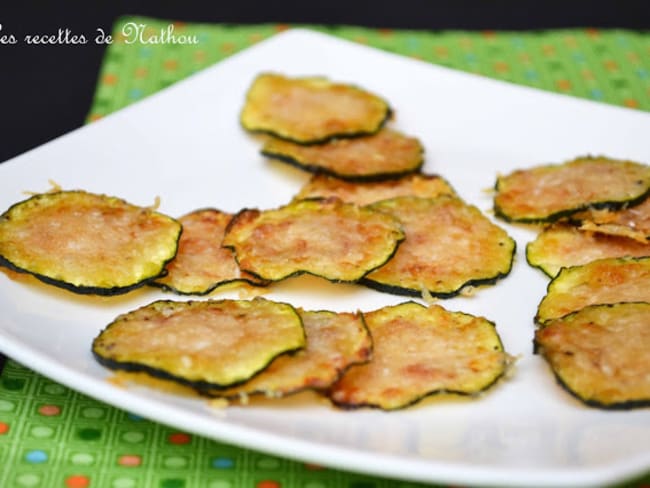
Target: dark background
<point>46,91</point>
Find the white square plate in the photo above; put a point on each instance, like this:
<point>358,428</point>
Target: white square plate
<point>185,145</point>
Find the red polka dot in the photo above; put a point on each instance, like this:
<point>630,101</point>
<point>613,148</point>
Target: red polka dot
<point>268,484</point>
<point>49,410</point>
<point>314,467</point>
<point>631,102</point>
<point>77,481</point>
<point>129,460</point>
<point>4,428</point>
<point>179,438</point>
<point>563,85</point>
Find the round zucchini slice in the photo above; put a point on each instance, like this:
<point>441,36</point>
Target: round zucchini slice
<point>311,110</point>
<point>335,341</point>
<point>632,222</point>
<point>449,245</point>
<point>600,354</point>
<point>548,193</point>
<point>420,351</point>
<point>201,264</point>
<point>387,154</point>
<point>561,246</point>
<point>202,344</point>
<point>365,193</point>
<point>327,238</point>
<point>87,243</point>
<point>613,280</point>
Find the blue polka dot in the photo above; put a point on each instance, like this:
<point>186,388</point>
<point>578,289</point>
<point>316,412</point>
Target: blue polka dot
<point>531,74</point>
<point>134,417</point>
<point>135,93</point>
<point>222,463</point>
<point>36,457</point>
<point>597,94</point>
<point>643,74</point>
<point>578,57</point>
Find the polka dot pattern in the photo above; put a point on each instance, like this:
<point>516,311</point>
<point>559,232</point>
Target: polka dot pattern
<point>51,436</point>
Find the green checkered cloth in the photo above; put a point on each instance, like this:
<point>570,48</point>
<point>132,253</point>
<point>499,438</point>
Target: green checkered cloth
<point>53,437</point>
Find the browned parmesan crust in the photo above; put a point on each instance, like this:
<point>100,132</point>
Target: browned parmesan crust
<point>548,193</point>
<point>600,354</point>
<point>328,238</point>
<point>420,351</point>
<point>335,341</point>
<point>87,243</point>
<point>604,281</point>
<point>312,109</point>
<point>632,221</point>
<point>201,264</point>
<point>449,245</point>
<point>561,246</point>
<point>203,344</point>
<point>364,193</point>
<point>384,155</point>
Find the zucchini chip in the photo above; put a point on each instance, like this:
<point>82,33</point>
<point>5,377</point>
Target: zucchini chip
<point>600,354</point>
<point>449,245</point>
<point>311,110</point>
<point>420,351</point>
<point>419,185</point>
<point>202,344</point>
<point>632,222</point>
<point>547,193</point>
<point>335,341</point>
<point>201,263</point>
<point>385,155</point>
<point>87,243</point>
<point>561,246</point>
<point>613,280</point>
<point>327,238</point>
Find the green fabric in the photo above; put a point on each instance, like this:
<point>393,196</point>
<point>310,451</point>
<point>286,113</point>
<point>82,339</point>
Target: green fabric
<point>53,437</point>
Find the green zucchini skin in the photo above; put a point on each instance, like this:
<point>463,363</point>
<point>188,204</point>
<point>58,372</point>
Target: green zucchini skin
<point>393,235</point>
<point>322,140</point>
<point>312,98</point>
<point>101,349</point>
<point>540,215</point>
<point>428,263</point>
<point>410,292</point>
<point>389,327</point>
<point>317,169</point>
<point>83,290</point>
<point>45,202</point>
<point>557,370</point>
<point>566,214</point>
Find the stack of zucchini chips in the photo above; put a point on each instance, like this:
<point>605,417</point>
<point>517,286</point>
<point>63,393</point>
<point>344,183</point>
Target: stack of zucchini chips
<point>367,216</point>
<point>594,244</point>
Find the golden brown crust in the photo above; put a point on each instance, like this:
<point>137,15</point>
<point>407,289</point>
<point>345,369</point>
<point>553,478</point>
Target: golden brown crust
<point>328,238</point>
<point>604,281</point>
<point>547,193</point>
<point>419,351</point>
<point>201,263</point>
<point>87,243</point>
<point>448,245</point>
<point>563,245</point>
<point>335,341</point>
<point>203,344</point>
<point>384,155</point>
<point>311,110</point>
<point>364,193</point>
<point>600,354</point>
